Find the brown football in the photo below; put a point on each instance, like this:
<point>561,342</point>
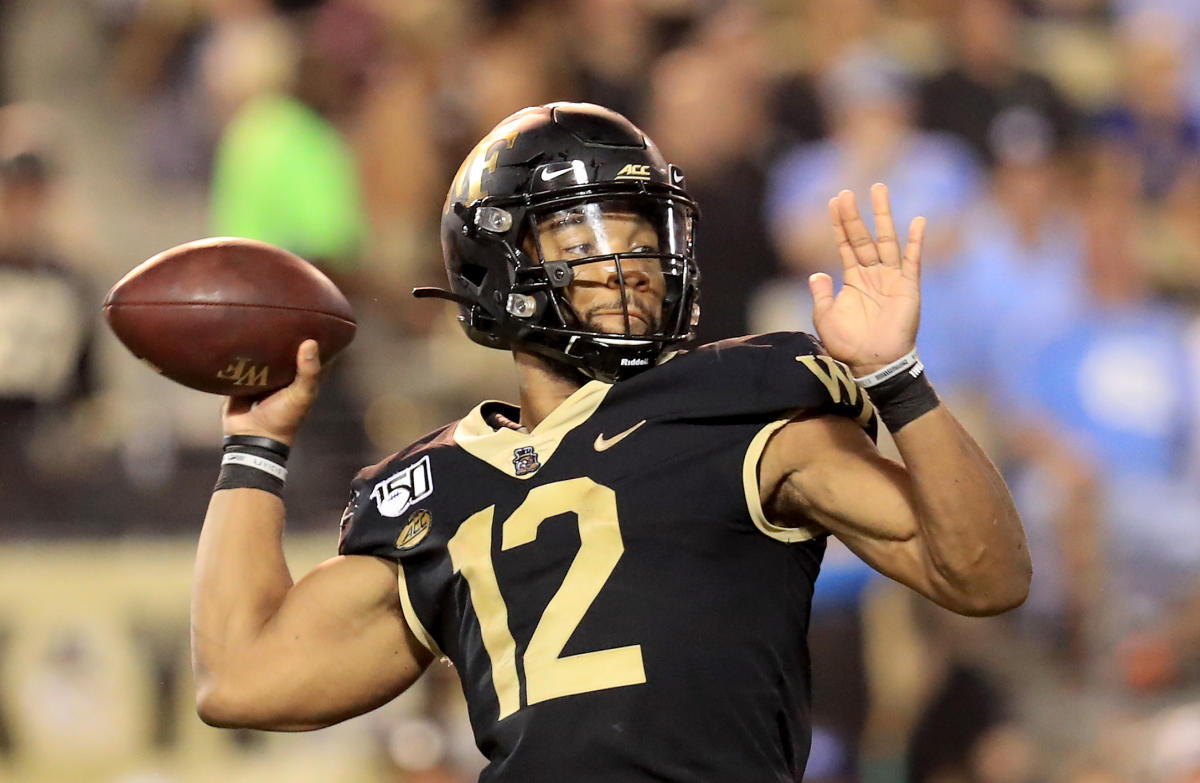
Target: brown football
<point>226,315</point>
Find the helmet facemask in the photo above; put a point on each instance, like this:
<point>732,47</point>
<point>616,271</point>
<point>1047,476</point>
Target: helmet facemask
<point>605,277</point>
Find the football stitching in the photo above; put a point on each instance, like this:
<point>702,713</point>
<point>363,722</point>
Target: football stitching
<point>231,304</point>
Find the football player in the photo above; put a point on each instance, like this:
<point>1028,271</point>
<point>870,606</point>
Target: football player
<point>620,568</point>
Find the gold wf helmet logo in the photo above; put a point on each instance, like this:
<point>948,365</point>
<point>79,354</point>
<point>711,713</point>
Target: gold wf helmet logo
<point>634,171</point>
<point>468,186</point>
<point>243,373</point>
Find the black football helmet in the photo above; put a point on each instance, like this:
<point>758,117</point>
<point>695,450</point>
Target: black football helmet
<point>577,165</point>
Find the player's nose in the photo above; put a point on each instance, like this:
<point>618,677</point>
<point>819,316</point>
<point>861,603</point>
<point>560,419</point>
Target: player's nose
<point>633,272</point>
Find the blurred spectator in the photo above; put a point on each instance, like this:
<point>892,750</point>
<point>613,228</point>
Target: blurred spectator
<point>831,32</point>
<point>4,28</point>
<point>723,148</point>
<point>495,69</point>
<point>400,156</point>
<point>1152,122</point>
<point>284,173</point>
<point>1020,270</point>
<point>1079,10</point>
<point>611,58</point>
<point>954,725</point>
<point>1153,125</point>
<point>158,62</point>
<point>45,341</point>
<point>984,86</point>
<point>1184,19</point>
<point>869,100</point>
<point>1118,383</point>
<point>1175,746</point>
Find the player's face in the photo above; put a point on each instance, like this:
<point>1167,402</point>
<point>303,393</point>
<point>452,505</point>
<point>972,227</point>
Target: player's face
<point>595,294</point>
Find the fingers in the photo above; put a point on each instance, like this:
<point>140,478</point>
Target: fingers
<point>856,247</point>
<point>910,265</point>
<point>885,229</point>
<point>856,234</point>
<point>845,251</point>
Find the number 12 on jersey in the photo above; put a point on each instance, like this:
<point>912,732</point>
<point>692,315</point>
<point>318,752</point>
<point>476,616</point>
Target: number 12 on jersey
<point>548,673</point>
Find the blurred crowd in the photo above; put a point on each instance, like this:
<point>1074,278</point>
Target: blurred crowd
<point>1053,145</point>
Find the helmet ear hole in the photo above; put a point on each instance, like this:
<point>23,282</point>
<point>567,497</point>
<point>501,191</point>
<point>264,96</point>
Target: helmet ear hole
<point>473,274</point>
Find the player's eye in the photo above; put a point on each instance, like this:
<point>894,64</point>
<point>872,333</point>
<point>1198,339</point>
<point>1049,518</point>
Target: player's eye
<point>580,250</point>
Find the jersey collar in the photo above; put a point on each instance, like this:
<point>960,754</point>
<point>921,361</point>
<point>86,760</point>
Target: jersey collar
<point>508,450</point>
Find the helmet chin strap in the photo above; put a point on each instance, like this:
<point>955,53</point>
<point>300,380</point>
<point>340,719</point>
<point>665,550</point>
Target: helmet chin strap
<point>595,361</point>
<point>592,356</point>
<point>596,358</point>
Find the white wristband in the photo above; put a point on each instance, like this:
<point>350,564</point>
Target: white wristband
<point>256,462</point>
<point>909,362</point>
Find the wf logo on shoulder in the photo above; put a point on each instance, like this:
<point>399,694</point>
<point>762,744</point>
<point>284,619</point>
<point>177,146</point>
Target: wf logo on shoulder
<point>396,493</point>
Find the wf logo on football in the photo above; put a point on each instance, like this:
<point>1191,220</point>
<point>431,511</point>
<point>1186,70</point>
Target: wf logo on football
<point>243,373</point>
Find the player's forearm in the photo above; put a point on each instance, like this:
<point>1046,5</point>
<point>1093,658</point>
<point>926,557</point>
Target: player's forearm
<point>971,529</point>
<point>240,582</point>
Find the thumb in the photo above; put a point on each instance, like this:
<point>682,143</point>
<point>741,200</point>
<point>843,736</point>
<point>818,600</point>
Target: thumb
<point>308,369</point>
<point>821,286</point>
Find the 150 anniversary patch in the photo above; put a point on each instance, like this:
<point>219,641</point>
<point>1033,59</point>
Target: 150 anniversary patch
<point>399,491</point>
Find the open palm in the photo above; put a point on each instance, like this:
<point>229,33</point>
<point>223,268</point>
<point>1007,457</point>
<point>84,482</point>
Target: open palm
<point>873,319</point>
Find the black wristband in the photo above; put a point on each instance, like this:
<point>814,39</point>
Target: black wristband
<point>270,444</point>
<point>252,462</point>
<point>903,398</point>
<point>243,477</point>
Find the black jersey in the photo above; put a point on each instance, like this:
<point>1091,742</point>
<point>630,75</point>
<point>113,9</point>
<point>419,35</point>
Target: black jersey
<point>613,597</point>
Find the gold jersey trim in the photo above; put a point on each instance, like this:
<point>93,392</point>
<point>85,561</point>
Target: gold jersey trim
<point>498,446</point>
<point>410,616</point>
<point>789,535</point>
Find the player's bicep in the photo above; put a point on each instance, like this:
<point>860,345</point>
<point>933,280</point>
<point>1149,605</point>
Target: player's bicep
<point>827,471</point>
<point>337,647</point>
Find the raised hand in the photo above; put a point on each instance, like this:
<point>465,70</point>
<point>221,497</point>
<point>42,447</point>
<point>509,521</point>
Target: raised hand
<point>873,319</point>
<point>278,415</point>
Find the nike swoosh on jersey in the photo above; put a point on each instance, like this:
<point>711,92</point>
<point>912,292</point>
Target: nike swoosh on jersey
<point>604,444</point>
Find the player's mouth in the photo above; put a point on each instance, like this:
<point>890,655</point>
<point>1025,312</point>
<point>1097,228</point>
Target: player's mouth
<point>634,315</point>
<point>639,321</point>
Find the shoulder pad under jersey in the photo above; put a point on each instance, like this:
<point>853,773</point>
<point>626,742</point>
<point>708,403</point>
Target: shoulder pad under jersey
<point>383,493</point>
<point>768,375</point>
